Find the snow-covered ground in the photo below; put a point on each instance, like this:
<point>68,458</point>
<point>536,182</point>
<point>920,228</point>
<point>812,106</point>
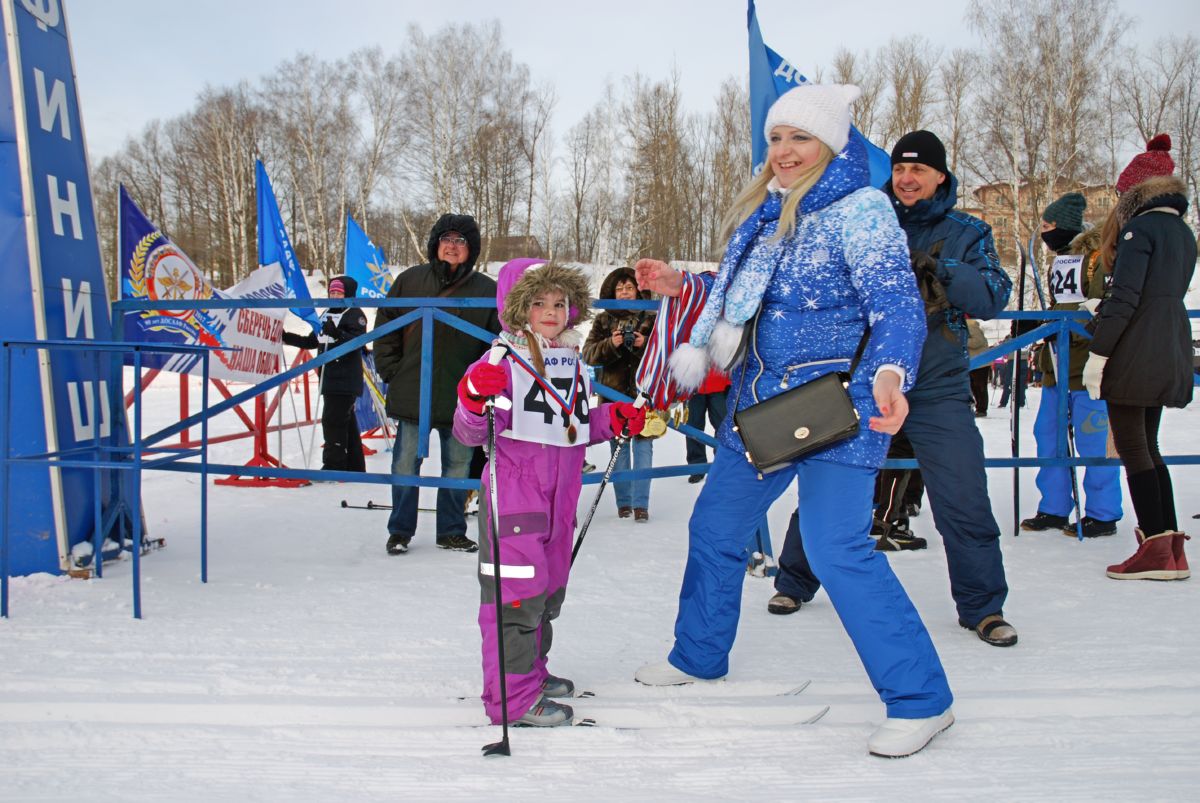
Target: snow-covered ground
<point>313,666</point>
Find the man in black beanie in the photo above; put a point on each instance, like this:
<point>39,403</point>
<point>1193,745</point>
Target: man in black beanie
<point>959,275</point>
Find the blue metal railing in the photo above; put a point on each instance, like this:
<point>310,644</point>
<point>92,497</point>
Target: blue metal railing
<point>427,311</point>
<point>105,453</point>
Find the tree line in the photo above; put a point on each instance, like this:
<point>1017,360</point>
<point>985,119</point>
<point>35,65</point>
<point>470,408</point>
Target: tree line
<point>1055,100</point>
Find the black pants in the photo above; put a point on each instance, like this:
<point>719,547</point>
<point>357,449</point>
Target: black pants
<point>714,406</point>
<point>343,442</point>
<point>980,379</point>
<point>1135,434</point>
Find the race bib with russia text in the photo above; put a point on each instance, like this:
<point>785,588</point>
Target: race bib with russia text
<point>1066,279</point>
<point>542,416</point>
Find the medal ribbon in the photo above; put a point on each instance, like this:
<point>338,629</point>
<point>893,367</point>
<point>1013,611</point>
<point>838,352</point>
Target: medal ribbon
<point>567,405</point>
<point>673,326</point>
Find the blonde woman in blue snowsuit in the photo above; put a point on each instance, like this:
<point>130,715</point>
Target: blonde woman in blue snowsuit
<point>814,258</point>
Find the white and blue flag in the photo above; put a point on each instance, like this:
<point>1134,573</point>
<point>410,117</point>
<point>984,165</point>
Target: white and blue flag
<point>365,263</point>
<point>274,247</point>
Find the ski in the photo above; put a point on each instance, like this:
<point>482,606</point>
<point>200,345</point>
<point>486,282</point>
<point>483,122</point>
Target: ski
<point>630,711</point>
<point>693,692</point>
<point>689,706</point>
<point>677,714</point>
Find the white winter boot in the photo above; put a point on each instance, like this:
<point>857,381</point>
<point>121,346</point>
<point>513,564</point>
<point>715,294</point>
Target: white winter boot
<point>664,674</point>
<point>897,738</point>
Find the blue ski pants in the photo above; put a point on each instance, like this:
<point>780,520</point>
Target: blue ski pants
<point>835,503</point>
<point>1101,484</point>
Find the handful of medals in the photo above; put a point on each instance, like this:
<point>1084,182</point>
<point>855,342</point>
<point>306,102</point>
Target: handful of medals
<point>656,420</point>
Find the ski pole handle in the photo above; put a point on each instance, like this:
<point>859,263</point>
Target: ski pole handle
<point>494,357</point>
<point>638,403</point>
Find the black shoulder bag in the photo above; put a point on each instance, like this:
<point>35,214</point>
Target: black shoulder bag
<point>798,421</point>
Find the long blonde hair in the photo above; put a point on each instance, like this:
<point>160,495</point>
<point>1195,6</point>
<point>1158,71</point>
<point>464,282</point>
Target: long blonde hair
<point>755,192</point>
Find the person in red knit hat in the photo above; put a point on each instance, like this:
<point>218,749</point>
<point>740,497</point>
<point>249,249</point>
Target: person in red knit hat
<point>1140,356</point>
<point>1156,161</point>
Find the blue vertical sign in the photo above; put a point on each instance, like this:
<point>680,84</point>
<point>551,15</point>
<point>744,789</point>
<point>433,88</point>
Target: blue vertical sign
<point>53,284</point>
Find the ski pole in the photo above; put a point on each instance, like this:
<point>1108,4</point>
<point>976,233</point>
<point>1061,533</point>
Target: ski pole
<point>368,506</point>
<point>1016,395</point>
<point>500,748</point>
<point>612,464</point>
<point>1070,430</point>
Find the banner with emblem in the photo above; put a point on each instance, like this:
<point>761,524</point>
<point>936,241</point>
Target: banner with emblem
<point>365,263</point>
<point>154,268</point>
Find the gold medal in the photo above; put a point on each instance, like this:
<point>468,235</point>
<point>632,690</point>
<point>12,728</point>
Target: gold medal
<point>656,425</point>
<point>679,414</point>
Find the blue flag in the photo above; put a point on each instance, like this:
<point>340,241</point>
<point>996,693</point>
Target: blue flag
<point>770,77</point>
<point>275,247</point>
<point>365,262</point>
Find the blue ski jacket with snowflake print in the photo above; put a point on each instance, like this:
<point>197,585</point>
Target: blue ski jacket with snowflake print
<point>969,270</point>
<point>846,264</point>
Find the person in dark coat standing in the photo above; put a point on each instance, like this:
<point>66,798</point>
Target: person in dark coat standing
<point>1140,357</point>
<point>450,273</point>
<point>341,380</point>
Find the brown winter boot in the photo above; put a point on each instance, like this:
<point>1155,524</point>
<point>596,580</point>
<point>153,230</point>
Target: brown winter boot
<point>1154,559</point>
<point>1182,572</point>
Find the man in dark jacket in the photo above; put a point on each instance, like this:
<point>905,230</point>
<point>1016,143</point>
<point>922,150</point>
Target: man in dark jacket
<point>453,248</point>
<point>341,380</point>
<point>959,275</point>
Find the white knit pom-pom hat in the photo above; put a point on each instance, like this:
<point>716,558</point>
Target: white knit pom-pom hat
<point>822,110</point>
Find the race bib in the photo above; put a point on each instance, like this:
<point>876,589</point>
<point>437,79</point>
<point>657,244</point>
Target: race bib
<point>1066,279</point>
<point>542,416</point>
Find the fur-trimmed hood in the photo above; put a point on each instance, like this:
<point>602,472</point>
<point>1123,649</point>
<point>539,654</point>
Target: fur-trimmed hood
<point>466,226</point>
<point>1167,191</point>
<point>1086,242</point>
<point>513,298</point>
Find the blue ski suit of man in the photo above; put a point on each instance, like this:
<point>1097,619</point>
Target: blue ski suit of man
<point>941,421</point>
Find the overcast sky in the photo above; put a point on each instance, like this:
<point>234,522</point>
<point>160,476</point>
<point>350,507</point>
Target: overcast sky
<point>140,61</point>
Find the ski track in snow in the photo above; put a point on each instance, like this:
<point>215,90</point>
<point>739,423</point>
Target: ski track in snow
<point>315,667</point>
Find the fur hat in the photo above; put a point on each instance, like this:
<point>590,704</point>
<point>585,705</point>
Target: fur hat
<point>523,280</point>
<point>1156,161</point>
<point>1066,212</point>
<point>822,110</point>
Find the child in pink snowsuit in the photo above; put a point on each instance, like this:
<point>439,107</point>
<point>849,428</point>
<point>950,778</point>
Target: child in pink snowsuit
<point>540,447</point>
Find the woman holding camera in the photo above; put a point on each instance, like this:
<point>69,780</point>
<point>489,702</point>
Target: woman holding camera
<point>615,346</point>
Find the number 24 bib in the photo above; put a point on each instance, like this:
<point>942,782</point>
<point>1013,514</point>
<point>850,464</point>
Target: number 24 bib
<point>538,415</point>
<point>1066,279</point>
